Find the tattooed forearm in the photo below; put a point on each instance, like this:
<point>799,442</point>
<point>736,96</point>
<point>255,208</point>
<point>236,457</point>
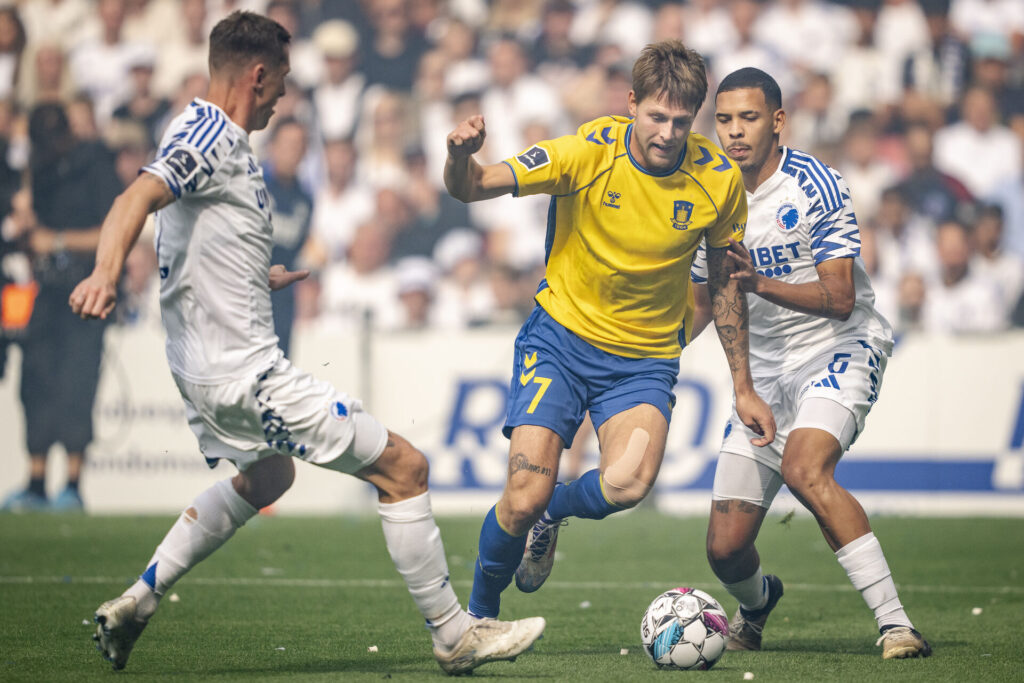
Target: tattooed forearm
<point>519,462</point>
<point>728,332</point>
<point>729,308</point>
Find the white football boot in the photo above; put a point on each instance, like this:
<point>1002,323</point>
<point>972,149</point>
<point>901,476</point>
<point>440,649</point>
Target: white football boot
<point>117,629</point>
<point>900,642</point>
<point>489,640</point>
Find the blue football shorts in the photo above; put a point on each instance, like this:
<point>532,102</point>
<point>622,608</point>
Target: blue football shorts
<point>557,377</point>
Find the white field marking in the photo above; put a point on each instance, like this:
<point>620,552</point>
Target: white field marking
<point>273,582</point>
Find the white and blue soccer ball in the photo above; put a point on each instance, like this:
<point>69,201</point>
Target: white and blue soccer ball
<point>684,628</point>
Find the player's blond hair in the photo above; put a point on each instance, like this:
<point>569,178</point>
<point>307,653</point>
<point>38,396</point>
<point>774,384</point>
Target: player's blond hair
<point>671,69</point>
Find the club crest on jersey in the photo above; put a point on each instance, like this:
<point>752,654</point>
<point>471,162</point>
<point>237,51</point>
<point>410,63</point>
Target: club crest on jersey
<point>534,158</point>
<point>339,411</point>
<point>681,213</point>
<point>787,217</point>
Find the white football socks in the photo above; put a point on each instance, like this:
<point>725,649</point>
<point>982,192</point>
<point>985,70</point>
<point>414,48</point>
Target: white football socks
<point>869,573</point>
<point>211,519</point>
<point>414,542</point>
<point>751,593</point>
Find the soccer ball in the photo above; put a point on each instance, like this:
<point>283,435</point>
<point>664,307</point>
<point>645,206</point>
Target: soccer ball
<point>684,628</point>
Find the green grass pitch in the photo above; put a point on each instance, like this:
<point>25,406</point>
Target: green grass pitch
<point>304,598</point>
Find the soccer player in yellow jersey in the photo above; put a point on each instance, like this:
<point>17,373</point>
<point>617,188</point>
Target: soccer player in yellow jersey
<point>631,199</point>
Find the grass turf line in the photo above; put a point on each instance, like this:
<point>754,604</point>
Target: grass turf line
<point>226,631</point>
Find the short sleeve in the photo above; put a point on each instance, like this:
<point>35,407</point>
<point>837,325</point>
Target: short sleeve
<point>836,234</point>
<point>548,167</point>
<point>732,216</point>
<point>189,160</point>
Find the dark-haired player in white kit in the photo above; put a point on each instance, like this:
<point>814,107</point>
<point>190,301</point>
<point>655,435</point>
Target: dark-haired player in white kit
<point>245,401</point>
<point>818,349</point>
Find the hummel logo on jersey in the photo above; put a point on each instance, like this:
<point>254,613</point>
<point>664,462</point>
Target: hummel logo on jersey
<point>613,197</point>
<point>681,213</point>
<point>534,158</point>
<point>606,136</point>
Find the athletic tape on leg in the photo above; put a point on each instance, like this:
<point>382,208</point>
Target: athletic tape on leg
<point>619,482</point>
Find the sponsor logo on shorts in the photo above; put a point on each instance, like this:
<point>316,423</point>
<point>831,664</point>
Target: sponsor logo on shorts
<point>339,411</point>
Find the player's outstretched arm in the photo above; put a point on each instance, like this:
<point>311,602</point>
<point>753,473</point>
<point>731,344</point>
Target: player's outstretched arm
<point>464,177</point>
<point>832,296</point>
<point>95,296</point>
<point>729,311</point>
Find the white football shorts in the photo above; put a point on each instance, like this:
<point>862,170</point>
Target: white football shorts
<point>849,375</point>
<point>282,411</point>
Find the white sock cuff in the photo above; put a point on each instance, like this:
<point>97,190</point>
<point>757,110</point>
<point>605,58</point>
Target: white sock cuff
<point>239,509</point>
<point>856,545</point>
<point>415,509</point>
<point>863,561</point>
<point>750,592</point>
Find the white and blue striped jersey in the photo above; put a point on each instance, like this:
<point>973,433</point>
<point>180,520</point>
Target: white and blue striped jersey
<point>213,247</point>
<point>801,216</point>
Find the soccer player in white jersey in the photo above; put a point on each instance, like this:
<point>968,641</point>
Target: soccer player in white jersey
<point>818,349</point>
<point>245,401</point>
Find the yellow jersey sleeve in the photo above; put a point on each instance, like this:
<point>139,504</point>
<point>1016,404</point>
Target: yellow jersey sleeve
<point>732,220</point>
<point>560,166</point>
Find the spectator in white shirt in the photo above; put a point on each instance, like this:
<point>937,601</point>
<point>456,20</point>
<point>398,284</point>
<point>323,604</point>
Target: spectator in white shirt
<point>961,301</point>
<point>516,97</point>
<point>338,97</point>
<point>339,207</point>
<point>990,260</point>
<point>978,150</point>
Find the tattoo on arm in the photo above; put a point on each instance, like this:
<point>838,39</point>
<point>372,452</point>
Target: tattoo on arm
<point>520,462</point>
<point>722,506</point>
<point>729,309</point>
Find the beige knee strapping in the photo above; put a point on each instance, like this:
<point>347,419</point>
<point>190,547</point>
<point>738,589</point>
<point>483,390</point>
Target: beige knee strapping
<point>621,487</point>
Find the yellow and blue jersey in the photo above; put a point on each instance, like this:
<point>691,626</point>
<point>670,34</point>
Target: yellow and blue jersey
<point>621,239</point>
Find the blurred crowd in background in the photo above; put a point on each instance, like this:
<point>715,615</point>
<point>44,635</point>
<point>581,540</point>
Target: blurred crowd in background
<point>918,103</point>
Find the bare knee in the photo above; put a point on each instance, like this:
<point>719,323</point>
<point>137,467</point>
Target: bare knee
<point>807,481</point>
<point>724,550</point>
<point>401,472</point>
<point>518,510</point>
<point>265,480</point>
<point>628,495</point>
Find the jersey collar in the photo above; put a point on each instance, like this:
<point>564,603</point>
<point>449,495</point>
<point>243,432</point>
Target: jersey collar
<point>638,166</point>
<point>200,103</point>
<point>775,179</point>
